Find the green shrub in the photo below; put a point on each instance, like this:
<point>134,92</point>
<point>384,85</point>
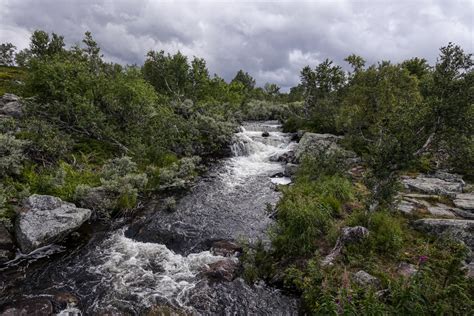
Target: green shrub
<point>11,155</point>
<point>306,212</point>
<point>176,175</point>
<point>47,142</point>
<point>120,184</point>
<point>386,233</point>
<point>61,181</point>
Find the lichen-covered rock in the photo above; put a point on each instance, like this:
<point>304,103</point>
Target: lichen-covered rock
<point>460,229</point>
<point>464,201</point>
<point>441,210</point>
<point>313,145</point>
<point>46,219</point>
<point>430,185</point>
<point>364,279</point>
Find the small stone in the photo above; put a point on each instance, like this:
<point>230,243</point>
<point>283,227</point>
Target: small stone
<point>290,169</point>
<point>353,234</point>
<point>265,134</point>
<point>406,269</point>
<point>364,279</point>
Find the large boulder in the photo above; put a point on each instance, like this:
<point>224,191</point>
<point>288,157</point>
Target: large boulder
<point>432,185</point>
<point>465,201</point>
<point>10,105</point>
<point>460,229</point>
<point>6,244</point>
<point>46,219</point>
<point>313,144</point>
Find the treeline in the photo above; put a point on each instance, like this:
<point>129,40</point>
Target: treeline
<point>90,128</point>
<point>396,115</point>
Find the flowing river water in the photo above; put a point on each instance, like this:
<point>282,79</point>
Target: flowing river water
<point>159,259</point>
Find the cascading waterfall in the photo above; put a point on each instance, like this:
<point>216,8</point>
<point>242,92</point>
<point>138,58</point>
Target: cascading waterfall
<point>161,264</point>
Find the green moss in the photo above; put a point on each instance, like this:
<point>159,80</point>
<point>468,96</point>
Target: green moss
<point>10,78</point>
<point>61,181</point>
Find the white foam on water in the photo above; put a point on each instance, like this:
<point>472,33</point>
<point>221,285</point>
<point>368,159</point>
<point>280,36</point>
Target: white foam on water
<point>252,152</point>
<point>146,271</point>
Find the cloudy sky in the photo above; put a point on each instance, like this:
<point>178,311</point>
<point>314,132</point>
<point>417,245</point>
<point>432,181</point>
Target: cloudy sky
<point>272,40</point>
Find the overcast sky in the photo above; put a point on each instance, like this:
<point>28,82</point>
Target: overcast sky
<point>272,40</point>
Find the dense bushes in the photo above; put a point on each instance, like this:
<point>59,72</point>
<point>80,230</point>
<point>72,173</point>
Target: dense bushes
<point>102,135</point>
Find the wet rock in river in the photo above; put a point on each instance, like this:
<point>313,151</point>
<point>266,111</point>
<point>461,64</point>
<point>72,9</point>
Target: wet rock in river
<point>34,306</point>
<point>226,248</point>
<point>239,298</point>
<point>223,270</point>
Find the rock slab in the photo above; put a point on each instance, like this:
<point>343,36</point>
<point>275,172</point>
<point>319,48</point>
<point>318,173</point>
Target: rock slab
<point>465,201</point>
<point>431,185</point>
<point>462,230</point>
<point>46,219</point>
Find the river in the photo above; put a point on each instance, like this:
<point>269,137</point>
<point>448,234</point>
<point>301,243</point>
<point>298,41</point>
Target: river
<point>158,260</point>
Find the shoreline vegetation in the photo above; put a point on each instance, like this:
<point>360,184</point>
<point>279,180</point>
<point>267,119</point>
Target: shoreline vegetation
<point>109,137</point>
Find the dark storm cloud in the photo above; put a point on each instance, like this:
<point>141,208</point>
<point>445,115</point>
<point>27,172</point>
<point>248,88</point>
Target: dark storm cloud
<point>271,40</point>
